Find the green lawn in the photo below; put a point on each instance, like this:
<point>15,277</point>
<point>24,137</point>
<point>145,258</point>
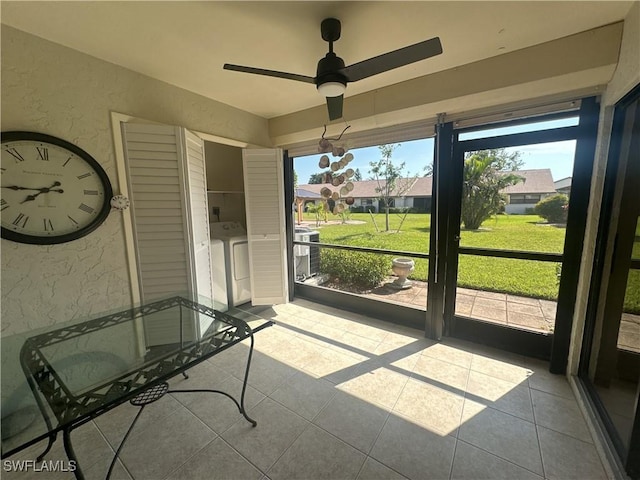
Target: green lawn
<point>513,232</point>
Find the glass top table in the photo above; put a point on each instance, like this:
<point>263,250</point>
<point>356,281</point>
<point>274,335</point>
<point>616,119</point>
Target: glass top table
<point>60,378</point>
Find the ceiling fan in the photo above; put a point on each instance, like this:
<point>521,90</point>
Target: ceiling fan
<point>332,76</point>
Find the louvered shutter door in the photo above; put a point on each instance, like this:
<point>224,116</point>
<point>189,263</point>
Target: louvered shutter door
<point>196,176</point>
<point>264,200</point>
<point>155,157</point>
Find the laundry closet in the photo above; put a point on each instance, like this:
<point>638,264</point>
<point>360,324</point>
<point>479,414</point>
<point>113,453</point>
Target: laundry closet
<point>191,218</point>
<point>227,224</point>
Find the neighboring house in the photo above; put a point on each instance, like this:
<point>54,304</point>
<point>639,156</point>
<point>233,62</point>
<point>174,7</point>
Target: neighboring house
<point>411,193</point>
<point>563,185</point>
<point>537,185</point>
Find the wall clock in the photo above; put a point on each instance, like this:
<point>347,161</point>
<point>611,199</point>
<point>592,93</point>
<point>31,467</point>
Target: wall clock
<point>52,191</point>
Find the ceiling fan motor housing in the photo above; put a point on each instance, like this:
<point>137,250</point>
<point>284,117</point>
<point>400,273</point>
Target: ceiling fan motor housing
<point>329,69</point>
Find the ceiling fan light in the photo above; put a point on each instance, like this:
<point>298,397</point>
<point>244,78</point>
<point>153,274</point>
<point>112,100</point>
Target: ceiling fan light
<point>332,89</point>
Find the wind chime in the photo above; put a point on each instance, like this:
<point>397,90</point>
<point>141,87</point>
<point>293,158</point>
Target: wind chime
<point>339,177</point>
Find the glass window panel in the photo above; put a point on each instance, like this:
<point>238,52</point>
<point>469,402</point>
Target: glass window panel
<point>499,213</point>
<point>527,127</point>
<point>357,215</point>
<point>615,373</point>
<point>629,335</point>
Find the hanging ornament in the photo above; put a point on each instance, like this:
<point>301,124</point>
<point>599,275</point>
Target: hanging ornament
<point>337,151</point>
<point>324,162</point>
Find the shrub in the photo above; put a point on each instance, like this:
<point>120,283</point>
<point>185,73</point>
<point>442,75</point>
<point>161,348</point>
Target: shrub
<point>354,269</point>
<point>553,209</point>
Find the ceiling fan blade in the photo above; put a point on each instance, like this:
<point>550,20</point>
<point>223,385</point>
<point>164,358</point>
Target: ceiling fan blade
<point>269,73</point>
<point>334,105</point>
<point>397,58</point>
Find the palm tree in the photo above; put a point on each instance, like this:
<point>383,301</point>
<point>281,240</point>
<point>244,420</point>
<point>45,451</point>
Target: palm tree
<point>318,210</point>
<point>484,179</point>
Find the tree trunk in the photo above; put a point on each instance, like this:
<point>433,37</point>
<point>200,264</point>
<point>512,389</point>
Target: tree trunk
<point>386,218</point>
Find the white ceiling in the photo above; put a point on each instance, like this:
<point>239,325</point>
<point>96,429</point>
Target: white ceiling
<point>186,43</point>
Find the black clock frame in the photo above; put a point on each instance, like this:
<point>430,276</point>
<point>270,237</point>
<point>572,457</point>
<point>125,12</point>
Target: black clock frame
<point>14,136</point>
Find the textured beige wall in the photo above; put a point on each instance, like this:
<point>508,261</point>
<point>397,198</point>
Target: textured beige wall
<point>51,89</point>
<point>626,76</point>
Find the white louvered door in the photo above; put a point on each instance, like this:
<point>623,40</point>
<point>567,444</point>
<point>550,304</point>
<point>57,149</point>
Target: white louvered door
<point>196,179</point>
<point>264,200</point>
<point>165,166</point>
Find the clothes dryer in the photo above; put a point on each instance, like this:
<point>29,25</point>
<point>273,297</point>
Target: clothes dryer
<point>236,249</point>
<point>219,275</point>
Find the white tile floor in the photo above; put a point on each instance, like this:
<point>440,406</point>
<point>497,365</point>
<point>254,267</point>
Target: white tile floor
<point>340,396</point>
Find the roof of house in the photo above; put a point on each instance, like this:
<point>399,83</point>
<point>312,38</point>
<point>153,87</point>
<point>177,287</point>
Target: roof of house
<point>563,183</point>
<point>410,187</point>
<point>536,181</point>
<point>306,193</point>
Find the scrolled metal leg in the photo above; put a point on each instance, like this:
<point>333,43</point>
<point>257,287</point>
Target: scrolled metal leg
<point>45,415</point>
<point>52,439</point>
<point>124,439</point>
<point>244,386</point>
<point>71,455</point>
<point>240,404</point>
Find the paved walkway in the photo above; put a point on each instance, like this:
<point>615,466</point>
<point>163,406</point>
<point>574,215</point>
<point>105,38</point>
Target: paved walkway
<point>523,312</point>
<point>514,310</point>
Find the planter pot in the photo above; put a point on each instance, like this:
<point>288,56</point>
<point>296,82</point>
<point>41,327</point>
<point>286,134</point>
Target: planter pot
<point>402,267</point>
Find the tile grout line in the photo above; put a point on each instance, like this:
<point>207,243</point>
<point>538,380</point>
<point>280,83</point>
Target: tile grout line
<point>502,458</point>
<point>264,474</point>
<point>190,456</point>
<point>535,423</point>
<point>457,437</point>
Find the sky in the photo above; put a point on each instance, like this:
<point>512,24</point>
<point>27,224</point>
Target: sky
<point>418,154</point>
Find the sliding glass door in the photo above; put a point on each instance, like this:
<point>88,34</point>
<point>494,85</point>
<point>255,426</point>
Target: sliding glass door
<point>610,361</point>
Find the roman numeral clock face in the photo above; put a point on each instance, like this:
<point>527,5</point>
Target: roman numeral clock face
<point>52,191</point>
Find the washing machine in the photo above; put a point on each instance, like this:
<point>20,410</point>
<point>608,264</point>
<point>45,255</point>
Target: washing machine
<point>236,260</point>
<point>219,275</point>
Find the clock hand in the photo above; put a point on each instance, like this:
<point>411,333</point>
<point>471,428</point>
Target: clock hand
<point>32,197</point>
<point>14,187</point>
